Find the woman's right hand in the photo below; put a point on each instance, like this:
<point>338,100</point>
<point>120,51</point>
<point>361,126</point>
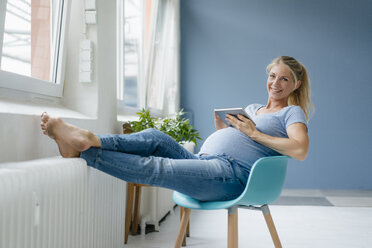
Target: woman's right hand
<point>218,122</point>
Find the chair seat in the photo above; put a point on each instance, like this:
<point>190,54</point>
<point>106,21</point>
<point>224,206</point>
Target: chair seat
<point>189,202</point>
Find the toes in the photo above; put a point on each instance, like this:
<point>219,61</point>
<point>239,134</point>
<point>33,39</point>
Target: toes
<point>45,117</point>
<point>43,126</point>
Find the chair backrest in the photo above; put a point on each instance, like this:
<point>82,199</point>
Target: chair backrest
<point>265,182</point>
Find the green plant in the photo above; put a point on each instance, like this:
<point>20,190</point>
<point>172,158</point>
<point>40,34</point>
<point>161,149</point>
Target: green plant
<point>176,127</point>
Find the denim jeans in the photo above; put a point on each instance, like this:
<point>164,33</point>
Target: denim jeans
<point>152,157</point>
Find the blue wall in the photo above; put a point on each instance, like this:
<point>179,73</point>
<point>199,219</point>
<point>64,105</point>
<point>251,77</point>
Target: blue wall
<point>226,45</point>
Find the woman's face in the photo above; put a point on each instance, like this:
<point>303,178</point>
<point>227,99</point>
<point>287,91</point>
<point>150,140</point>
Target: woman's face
<point>280,82</point>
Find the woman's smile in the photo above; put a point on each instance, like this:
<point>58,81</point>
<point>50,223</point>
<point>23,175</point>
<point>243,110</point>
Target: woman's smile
<point>275,90</point>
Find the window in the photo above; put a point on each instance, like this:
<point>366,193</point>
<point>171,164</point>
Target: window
<point>128,91</point>
<point>31,45</point>
<point>148,55</point>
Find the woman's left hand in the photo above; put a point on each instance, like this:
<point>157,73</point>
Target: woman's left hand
<point>242,123</point>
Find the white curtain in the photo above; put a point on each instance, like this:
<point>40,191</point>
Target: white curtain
<point>163,62</point>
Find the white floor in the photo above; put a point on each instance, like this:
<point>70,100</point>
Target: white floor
<point>298,225</point>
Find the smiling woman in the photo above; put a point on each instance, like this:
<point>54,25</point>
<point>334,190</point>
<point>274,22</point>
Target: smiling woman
<point>220,171</point>
<point>280,82</point>
<point>31,45</point>
<point>288,76</point>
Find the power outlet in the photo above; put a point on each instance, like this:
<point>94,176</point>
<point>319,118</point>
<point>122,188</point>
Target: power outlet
<point>86,61</point>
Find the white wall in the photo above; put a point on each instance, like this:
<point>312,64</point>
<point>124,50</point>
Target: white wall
<point>90,106</point>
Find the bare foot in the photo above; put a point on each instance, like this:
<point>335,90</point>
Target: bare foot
<point>71,140</point>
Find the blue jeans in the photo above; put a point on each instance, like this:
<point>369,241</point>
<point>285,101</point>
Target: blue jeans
<point>152,157</point>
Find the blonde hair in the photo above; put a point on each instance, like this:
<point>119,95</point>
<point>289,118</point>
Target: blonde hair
<point>301,96</point>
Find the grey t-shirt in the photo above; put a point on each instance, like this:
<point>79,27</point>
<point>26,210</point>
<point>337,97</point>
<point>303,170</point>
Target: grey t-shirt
<point>234,143</point>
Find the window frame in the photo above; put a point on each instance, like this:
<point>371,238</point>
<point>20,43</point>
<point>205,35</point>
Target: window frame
<point>28,84</point>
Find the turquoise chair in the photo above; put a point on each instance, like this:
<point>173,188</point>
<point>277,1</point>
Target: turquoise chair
<point>265,183</point>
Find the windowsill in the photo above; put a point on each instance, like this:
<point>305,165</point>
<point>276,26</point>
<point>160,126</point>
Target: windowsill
<point>125,118</point>
<point>33,106</point>
<point>37,107</point>
<point>127,113</point>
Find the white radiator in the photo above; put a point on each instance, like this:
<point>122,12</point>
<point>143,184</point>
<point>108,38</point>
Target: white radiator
<point>60,203</point>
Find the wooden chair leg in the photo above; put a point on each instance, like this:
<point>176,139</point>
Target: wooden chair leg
<point>232,236</point>
<point>182,210</point>
<point>188,230</point>
<point>128,211</point>
<point>182,228</point>
<point>137,206</point>
<point>271,226</point>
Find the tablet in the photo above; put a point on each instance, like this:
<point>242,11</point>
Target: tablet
<point>232,111</point>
